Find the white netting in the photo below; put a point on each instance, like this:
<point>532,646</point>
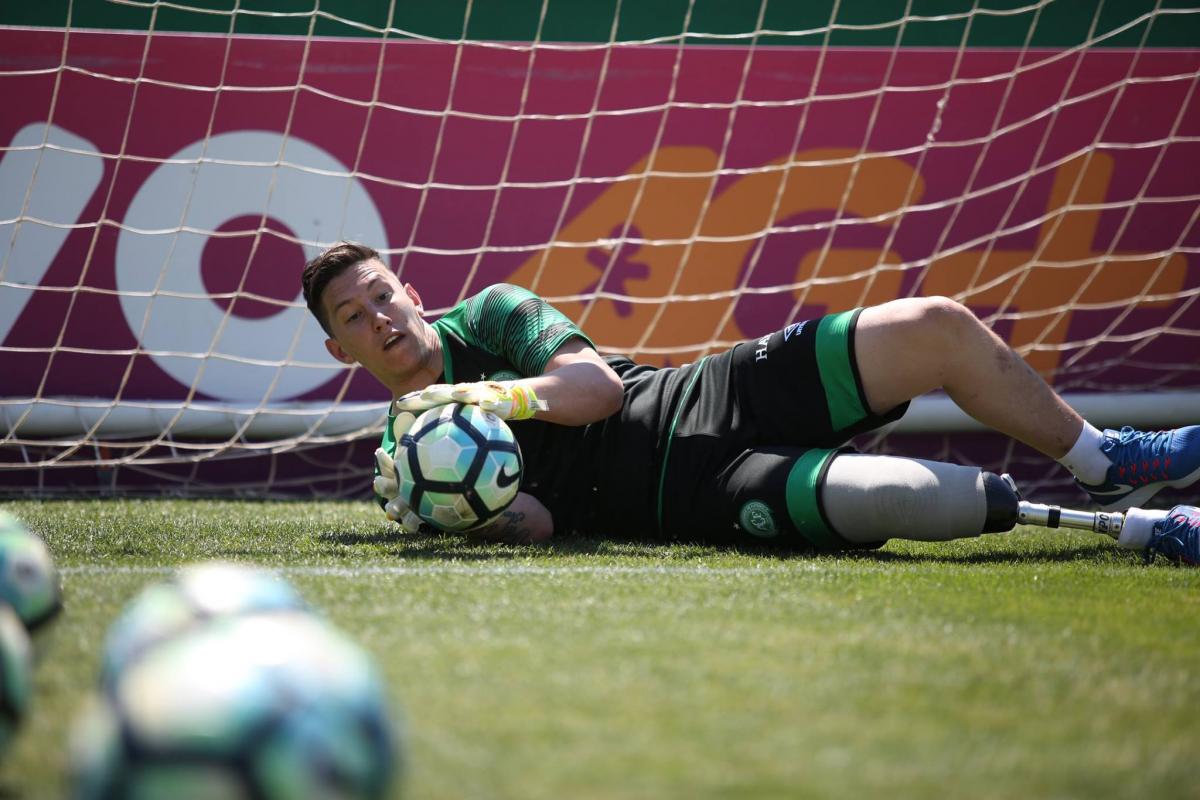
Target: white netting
<point>675,193</point>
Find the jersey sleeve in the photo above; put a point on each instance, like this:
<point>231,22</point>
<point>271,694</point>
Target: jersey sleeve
<point>515,323</point>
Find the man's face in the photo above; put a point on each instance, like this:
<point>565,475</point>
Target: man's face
<point>377,322</point>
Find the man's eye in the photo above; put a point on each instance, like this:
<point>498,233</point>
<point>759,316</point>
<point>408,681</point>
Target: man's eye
<point>352,317</point>
<point>385,296</point>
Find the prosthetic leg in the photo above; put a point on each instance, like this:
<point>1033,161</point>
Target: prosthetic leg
<point>1109,523</point>
<point>869,498</point>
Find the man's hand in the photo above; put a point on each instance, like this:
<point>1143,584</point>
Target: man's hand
<point>387,482</point>
<point>512,400</point>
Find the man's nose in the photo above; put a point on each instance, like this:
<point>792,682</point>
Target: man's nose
<point>382,321</point>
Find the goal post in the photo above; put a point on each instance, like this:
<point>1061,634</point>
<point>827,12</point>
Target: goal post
<point>675,175</point>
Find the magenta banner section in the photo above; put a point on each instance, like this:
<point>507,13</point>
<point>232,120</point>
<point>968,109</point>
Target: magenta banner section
<point>169,189</point>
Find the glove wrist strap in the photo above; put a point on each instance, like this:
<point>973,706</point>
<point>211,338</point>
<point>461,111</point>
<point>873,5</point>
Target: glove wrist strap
<point>525,402</point>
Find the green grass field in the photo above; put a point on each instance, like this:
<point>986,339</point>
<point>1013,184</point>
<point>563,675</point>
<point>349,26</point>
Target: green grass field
<point>1032,664</point>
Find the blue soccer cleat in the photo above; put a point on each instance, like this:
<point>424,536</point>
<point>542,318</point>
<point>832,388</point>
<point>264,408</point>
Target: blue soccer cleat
<point>1145,462</point>
<point>1177,536</point>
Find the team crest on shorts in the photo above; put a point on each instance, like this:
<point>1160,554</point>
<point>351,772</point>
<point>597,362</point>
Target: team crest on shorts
<point>756,518</point>
<point>504,375</point>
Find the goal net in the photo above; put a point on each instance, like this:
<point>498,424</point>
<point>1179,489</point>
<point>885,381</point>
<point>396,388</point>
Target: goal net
<point>676,175</point>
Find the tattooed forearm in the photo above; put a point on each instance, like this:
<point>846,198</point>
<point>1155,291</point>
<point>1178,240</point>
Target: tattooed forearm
<point>509,527</point>
<point>526,521</point>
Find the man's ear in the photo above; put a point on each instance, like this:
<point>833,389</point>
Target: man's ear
<point>337,352</point>
<point>416,298</point>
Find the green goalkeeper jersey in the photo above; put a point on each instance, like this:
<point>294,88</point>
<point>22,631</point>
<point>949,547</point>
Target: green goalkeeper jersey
<point>599,478</point>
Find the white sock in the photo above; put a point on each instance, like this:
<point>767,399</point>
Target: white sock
<point>1138,527</point>
<point>1085,459</point>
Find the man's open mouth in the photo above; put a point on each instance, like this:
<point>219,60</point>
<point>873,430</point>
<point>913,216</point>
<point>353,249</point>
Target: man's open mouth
<point>392,340</point>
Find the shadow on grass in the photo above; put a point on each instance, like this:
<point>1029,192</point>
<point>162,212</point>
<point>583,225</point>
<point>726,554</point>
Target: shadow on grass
<point>441,546</point>
<point>445,546</point>
<point>459,547</point>
<point>1093,553</point>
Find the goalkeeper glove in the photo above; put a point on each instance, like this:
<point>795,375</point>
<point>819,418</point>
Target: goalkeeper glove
<point>387,482</point>
<point>512,400</point>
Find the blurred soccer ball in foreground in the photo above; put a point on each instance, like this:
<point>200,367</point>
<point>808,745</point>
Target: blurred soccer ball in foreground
<point>16,674</point>
<point>28,580</point>
<point>459,466</point>
<point>265,706</point>
<point>193,596</point>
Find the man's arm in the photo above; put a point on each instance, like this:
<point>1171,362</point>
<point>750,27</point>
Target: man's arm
<point>525,521</point>
<point>577,386</point>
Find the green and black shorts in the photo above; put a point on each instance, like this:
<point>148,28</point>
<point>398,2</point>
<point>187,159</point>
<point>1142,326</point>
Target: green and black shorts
<point>751,440</point>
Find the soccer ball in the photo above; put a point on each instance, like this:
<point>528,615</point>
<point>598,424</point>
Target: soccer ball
<point>16,674</point>
<point>29,581</point>
<point>193,596</point>
<point>459,467</point>
<point>267,706</point>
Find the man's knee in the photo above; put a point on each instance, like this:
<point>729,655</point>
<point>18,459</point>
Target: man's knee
<point>944,317</point>
<point>932,319</point>
<point>907,347</point>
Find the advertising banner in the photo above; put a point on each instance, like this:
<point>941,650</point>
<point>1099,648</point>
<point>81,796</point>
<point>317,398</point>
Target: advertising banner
<point>159,195</point>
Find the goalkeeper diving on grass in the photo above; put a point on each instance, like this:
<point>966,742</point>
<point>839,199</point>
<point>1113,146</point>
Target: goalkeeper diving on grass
<point>747,445</point>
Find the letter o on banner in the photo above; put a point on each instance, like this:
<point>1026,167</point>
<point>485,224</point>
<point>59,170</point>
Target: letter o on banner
<point>158,273</point>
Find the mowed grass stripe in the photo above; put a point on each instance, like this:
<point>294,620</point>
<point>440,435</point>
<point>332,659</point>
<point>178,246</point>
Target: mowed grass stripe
<point>1032,664</point>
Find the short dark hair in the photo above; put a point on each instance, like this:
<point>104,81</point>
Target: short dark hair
<point>327,266</point>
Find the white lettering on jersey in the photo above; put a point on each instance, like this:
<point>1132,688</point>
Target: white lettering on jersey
<point>760,354</point>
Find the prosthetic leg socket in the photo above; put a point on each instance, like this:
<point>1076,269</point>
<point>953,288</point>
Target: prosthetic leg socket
<point>869,498</point>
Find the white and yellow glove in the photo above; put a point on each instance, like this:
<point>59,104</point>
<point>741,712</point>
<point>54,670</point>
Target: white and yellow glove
<point>511,400</point>
<point>387,482</point>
